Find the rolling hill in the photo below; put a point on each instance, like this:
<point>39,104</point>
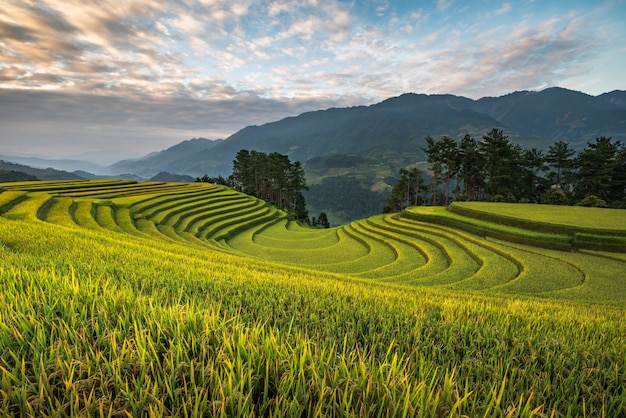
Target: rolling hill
<point>39,173</point>
<point>191,299</point>
<point>177,159</point>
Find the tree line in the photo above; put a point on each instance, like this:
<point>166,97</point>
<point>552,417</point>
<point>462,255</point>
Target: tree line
<point>494,169</point>
<point>271,177</point>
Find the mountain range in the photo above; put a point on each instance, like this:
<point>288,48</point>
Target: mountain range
<point>392,132</point>
<point>367,145</point>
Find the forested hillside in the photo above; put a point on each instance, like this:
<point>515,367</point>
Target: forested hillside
<point>370,144</point>
<point>494,169</point>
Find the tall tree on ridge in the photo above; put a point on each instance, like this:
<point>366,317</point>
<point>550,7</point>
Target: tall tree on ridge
<point>449,155</point>
<point>597,164</point>
<point>434,157</point>
<point>500,162</point>
<point>471,167</point>
<point>532,183</point>
<point>559,158</point>
<point>272,178</point>
<point>406,191</point>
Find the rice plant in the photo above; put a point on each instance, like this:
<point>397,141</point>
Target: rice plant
<point>153,321</point>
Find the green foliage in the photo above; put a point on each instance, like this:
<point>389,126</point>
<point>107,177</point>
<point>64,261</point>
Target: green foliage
<point>321,221</point>
<point>12,175</point>
<point>273,178</point>
<point>152,320</point>
<point>555,197</point>
<point>559,157</point>
<point>344,199</point>
<point>592,201</point>
<point>601,171</point>
<point>497,170</point>
<point>408,191</point>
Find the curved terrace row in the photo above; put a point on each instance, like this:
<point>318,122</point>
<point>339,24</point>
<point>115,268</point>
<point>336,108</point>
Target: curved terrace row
<point>422,246</point>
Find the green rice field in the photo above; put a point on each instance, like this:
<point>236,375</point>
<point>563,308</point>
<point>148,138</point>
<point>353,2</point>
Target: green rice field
<point>190,299</point>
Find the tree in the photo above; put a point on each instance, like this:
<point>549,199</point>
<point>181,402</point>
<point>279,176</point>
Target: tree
<point>296,183</point>
<point>559,158</point>
<point>501,162</point>
<point>596,167</point>
<point>273,178</point>
<point>471,167</point>
<point>215,180</point>
<point>533,185</point>
<point>434,157</point>
<point>242,175</point>
<point>449,155</point>
<point>322,221</point>
<point>618,187</point>
<point>406,191</point>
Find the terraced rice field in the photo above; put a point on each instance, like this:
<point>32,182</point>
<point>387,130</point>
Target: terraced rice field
<point>477,310</point>
<point>422,247</point>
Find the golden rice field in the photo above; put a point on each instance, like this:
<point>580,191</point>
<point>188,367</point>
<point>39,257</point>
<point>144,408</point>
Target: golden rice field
<point>176,299</point>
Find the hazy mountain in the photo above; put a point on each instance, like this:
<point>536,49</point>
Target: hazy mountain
<point>367,145</point>
<point>392,132</point>
<point>41,174</point>
<point>63,165</point>
<point>616,97</point>
<point>559,114</point>
<point>172,159</point>
<point>12,175</point>
<point>364,146</point>
<point>105,158</point>
<point>169,177</point>
<point>90,176</point>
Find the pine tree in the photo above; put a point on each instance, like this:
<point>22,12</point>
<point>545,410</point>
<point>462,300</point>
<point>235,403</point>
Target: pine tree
<point>434,157</point>
<point>471,168</point>
<point>501,162</point>
<point>407,191</point>
<point>596,167</point>
<point>559,158</point>
<point>273,178</point>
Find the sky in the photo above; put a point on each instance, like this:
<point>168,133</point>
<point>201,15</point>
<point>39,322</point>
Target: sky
<point>116,79</point>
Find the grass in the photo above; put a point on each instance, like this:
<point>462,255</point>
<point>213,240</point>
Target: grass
<point>60,212</point>
<point>437,214</point>
<point>96,323</point>
<point>577,217</point>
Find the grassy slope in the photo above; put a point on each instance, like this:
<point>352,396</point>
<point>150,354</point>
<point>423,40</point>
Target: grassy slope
<point>100,323</point>
<point>573,216</point>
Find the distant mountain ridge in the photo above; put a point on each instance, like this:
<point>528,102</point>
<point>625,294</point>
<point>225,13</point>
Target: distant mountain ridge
<point>392,131</point>
<point>38,173</point>
<point>560,114</point>
<point>367,145</point>
<point>69,165</point>
<point>173,159</point>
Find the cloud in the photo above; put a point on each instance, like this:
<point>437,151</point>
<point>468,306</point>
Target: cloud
<point>71,123</point>
<point>506,7</point>
<point>158,70</point>
<point>444,4</point>
<point>524,57</point>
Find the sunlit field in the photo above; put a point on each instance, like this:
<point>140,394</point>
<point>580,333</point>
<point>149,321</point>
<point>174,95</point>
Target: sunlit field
<point>177,299</point>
